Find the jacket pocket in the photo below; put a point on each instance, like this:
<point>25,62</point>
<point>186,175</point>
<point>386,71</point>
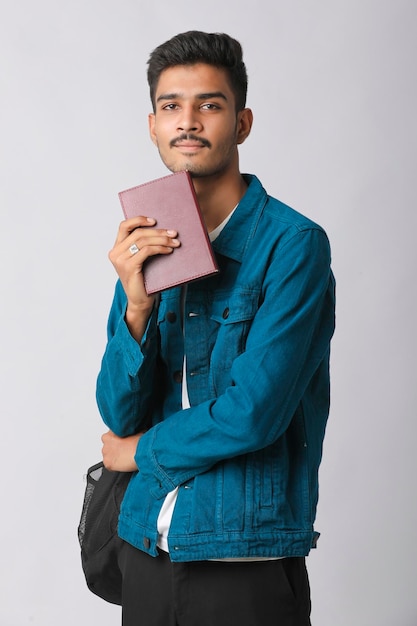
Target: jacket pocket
<point>233,314</point>
<point>219,499</point>
<point>280,481</point>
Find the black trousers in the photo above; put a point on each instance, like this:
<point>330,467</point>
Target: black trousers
<point>157,592</point>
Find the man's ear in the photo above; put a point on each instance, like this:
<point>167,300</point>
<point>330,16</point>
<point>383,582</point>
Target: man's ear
<point>151,124</point>
<point>244,124</point>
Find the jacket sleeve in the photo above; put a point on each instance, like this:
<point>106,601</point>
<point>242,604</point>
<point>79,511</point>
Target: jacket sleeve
<point>125,381</point>
<point>286,345</point>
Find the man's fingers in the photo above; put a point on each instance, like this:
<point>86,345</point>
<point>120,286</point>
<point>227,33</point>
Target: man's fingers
<point>127,227</point>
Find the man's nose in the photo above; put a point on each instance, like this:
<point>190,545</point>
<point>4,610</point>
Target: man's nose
<point>189,120</point>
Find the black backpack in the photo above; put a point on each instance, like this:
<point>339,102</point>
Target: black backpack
<point>97,531</point>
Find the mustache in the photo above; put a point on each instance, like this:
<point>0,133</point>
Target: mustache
<point>190,137</point>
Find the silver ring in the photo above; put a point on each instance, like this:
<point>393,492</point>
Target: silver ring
<point>133,249</point>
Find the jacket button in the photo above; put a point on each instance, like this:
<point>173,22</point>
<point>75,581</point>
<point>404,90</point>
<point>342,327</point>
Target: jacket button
<point>226,313</point>
<point>171,317</point>
<point>178,376</point>
<point>147,542</point>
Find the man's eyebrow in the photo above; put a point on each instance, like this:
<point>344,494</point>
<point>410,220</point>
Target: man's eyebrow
<point>168,96</point>
<point>200,96</point>
<point>211,94</point>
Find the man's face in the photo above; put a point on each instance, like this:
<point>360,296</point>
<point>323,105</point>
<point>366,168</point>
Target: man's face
<point>195,125</point>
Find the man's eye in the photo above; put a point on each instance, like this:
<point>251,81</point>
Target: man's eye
<point>171,106</point>
<point>209,106</point>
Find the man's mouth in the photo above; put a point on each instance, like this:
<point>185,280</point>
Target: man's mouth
<point>190,142</point>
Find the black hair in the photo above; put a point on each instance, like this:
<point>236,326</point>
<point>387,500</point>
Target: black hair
<point>217,49</point>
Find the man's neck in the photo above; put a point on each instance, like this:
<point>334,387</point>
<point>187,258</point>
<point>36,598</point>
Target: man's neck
<point>217,197</point>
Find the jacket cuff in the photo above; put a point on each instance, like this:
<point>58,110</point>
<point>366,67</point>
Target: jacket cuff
<point>133,352</point>
<point>159,483</point>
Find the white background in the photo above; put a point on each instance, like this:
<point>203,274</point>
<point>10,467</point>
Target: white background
<point>333,90</point>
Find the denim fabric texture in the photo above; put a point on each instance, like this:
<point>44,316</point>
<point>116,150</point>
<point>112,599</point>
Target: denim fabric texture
<point>256,336</point>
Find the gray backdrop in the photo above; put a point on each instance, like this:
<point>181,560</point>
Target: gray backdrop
<point>333,89</point>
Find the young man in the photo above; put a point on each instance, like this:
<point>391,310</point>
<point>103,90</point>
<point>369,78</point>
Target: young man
<point>217,393</point>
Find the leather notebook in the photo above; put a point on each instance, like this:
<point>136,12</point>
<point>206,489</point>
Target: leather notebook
<point>172,201</point>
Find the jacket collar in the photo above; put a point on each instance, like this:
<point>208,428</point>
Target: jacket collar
<point>236,235</point>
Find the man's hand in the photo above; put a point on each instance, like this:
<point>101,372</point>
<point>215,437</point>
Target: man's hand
<point>119,452</point>
<point>136,241</point>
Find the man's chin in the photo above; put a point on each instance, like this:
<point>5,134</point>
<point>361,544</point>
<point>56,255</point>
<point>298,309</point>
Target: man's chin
<point>194,171</point>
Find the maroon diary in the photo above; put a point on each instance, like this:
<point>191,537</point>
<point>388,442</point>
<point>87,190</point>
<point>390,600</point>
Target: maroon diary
<point>171,200</point>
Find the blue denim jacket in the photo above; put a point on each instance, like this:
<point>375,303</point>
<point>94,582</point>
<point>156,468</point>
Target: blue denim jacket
<point>256,336</point>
